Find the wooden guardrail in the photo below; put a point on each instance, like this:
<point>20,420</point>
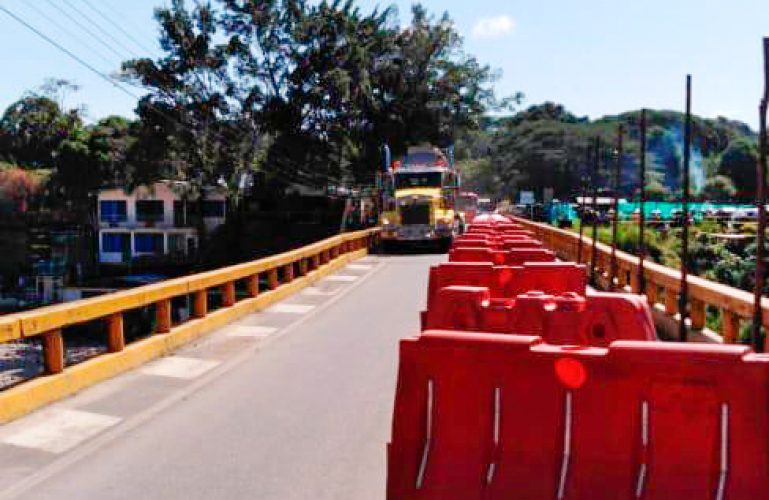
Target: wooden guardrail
<point>662,283</point>
<point>48,322</point>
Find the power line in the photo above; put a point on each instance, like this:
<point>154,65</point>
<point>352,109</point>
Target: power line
<point>67,51</point>
<point>117,27</point>
<point>86,29</point>
<point>296,177</point>
<point>102,30</point>
<point>55,23</point>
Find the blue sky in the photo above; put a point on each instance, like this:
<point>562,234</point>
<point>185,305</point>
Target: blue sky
<point>596,57</point>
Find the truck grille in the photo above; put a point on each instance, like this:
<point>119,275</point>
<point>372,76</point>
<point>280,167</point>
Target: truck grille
<point>415,213</point>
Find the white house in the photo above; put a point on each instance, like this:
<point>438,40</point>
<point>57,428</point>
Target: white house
<point>153,220</point>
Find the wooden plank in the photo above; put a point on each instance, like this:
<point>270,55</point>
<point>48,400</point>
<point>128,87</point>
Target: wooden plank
<point>10,328</point>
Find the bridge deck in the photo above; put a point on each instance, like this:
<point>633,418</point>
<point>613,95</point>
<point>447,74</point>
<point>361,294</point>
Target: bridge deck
<point>292,402</point>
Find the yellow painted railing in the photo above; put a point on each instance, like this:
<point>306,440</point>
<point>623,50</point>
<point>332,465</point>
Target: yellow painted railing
<point>662,283</point>
<point>48,322</point>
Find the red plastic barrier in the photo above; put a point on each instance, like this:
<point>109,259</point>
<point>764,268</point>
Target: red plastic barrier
<point>567,319</point>
<point>481,416</point>
<point>520,256</point>
<point>499,244</point>
<point>508,281</point>
<point>476,254</point>
<point>512,257</point>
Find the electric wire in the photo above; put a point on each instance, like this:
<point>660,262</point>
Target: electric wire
<point>102,30</point>
<point>303,178</point>
<point>84,28</point>
<point>69,33</point>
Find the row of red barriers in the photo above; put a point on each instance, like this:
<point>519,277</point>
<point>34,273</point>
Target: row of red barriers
<point>484,416</point>
<point>503,284</point>
<point>525,384</point>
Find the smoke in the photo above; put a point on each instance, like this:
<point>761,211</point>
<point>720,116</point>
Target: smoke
<point>668,148</point>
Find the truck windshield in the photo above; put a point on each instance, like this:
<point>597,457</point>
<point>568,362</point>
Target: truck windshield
<point>421,179</point>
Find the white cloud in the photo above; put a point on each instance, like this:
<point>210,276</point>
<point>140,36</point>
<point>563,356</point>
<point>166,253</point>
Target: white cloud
<point>493,27</point>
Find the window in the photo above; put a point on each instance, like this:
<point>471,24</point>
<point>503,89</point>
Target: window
<point>114,242</point>
<point>213,208</point>
<point>180,213</point>
<point>148,243</point>
<point>112,211</point>
<point>149,210</point>
<point>417,180</point>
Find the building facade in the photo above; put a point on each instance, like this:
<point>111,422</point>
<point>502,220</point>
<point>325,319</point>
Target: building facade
<point>154,221</point>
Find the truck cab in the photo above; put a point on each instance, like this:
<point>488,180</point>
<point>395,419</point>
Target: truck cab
<point>419,199</point>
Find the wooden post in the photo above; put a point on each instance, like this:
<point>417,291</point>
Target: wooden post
<point>697,314</point>
<point>671,302</point>
<point>730,326</point>
<point>613,266</point>
<point>635,281</point>
<point>53,352</point>
<point>163,316</point>
<point>288,273</point>
<point>252,285</point>
<point>651,293</point>
<point>303,266</point>
<point>761,167</point>
<point>272,279</point>
<point>315,261</point>
<point>115,334</point>
<point>642,206</point>
<point>683,300</point>
<point>200,306</point>
<point>228,294</point>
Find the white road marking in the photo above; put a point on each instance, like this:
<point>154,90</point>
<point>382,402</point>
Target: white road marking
<point>179,367</point>
<point>291,308</point>
<point>359,267</point>
<point>316,292</point>
<point>342,278</point>
<point>250,331</point>
<point>61,430</point>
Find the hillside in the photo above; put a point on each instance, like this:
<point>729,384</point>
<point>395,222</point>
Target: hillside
<point>547,146</point>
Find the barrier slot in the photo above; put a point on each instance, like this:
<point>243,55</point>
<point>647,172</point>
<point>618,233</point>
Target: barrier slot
<point>566,447</point>
<point>644,449</point>
<point>724,452</point>
<point>428,436</point>
<point>495,435</point>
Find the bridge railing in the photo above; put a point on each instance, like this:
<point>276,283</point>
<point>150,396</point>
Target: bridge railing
<point>47,323</point>
<point>734,306</point>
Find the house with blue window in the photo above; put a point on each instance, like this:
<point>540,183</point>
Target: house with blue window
<point>156,220</point>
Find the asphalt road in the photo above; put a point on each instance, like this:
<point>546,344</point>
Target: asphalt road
<point>304,416</point>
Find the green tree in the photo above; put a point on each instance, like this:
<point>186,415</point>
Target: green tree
<point>33,128</point>
<point>719,187</point>
<point>738,162</point>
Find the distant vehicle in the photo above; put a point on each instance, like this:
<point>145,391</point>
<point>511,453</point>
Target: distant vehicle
<point>467,206</point>
<point>485,205</point>
<point>419,198</point>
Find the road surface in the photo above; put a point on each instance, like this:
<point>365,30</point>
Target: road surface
<point>290,403</point>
